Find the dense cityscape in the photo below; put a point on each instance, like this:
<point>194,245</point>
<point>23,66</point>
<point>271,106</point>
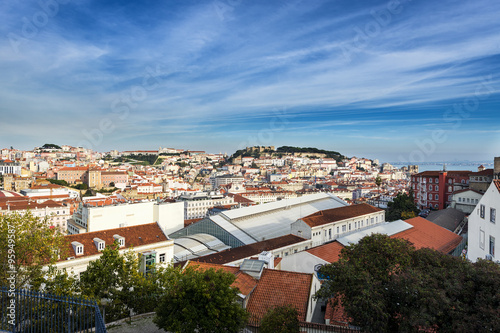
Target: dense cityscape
<point>263,209</point>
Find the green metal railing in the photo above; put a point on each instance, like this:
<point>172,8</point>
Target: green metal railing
<point>30,311</point>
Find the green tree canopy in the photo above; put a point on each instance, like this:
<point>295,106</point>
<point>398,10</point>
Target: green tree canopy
<point>116,278</point>
<point>200,300</point>
<point>280,319</point>
<point>50,146</point>
<point>386,285</point>
<point>403,206</point>
<point>27,244</point>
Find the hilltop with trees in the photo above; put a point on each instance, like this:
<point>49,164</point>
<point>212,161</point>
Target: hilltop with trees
<point>288,150</point>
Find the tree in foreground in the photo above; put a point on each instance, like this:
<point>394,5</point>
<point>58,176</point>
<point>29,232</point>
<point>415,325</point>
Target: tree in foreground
<point>27,244</point>
<point>402,207</point>
<point>200,301</point>
<point>115,278</point>
<point>386,285</point>
<point>280,319</point>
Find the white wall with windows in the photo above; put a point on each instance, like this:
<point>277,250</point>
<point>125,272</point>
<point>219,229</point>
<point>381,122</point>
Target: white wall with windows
<point>484,229</point>
<point>465,200</point>
<point>330,231</point>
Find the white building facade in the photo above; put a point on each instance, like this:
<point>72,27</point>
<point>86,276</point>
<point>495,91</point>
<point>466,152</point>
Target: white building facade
<point>197,204</point>
<point>89,218</point>
<point>484,229</point>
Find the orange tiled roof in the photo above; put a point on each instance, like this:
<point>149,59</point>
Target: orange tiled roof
<point>336,315</point>
<point>338,214</point>
<point>427,234</point>
<point>276,288</point>
<point>191,221</point>
<point>134,236</point>
<point>74,169</point>
<point>497,184</point>
<point>329,252</point>
<point>26,204</point>
<point>244,282</point>
<point>246,251</point>
<point>485,172</point>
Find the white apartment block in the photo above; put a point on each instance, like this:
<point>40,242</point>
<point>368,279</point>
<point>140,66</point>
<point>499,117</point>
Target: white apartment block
<point>197,204</point>
<point>57,215</point>
<point>465,200</point>
<point>147,240</point>
<point>484,230</point>
<point>89,218</point>
<point>327,225</point>
<point>54,192</point>
<point>8,166</point>
<point>262,197</point>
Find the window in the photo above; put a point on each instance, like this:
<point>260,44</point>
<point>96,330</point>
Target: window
<point>492,246</point>
<point>371,220</point>
<point>436,180</point>
<point>79,249</point>
<point>449,189</point>
<point>459,199</point>
<point>355,225</point>
<point>162,257</point>
<point>430,196</point>
<point>436,197</point>
<point>337,229</point>
<point>481,239</point>
<point>330,233</point>
<point>430,187</point>
<point>349,227</point>
<point>344,228</point>
<point>493,213</point>
<point>481,211</point>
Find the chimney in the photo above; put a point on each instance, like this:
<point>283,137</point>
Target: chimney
<point>268,258</point>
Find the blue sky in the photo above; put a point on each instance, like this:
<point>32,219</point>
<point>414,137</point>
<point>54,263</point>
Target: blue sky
<point>394,80</point>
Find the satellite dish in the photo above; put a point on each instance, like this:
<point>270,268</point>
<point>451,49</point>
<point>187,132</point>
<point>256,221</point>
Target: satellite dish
<point>317,267</point>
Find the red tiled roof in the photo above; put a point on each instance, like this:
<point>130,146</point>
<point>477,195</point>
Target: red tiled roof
<point>459,173</point>
<point>26,204</point>
<point>338,214</point>
<point>10,194</point>
<point>46,186</point>
<point>485,172</point>
<point>497,184</point>
<point>249,250</point>
<point>244,282</point>
<point>428,174</point>
<point>134,236</point>
<point>336,315</point>
<point>329,252</point>
<point>430,235</point>
<point>191,221</point>
<point>276,288</point>
<point>74,169</point>
<point>240,199</point>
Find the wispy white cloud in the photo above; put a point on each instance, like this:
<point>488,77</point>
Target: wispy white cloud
<point>223,77</point>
